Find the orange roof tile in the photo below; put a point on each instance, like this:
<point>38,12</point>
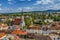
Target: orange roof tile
<point>2,34</point>
<point>19,32</point>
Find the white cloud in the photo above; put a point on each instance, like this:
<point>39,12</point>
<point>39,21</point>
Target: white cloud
<point>56,6</point>
<point>0,4</point>
<point>24,0</point>
<point>52,7</point>
<point>38,2</point>
<point>43,2</point>
<point>7,10</point>
<point>27,8</point>
<point>0,8</point>
<point>10,3</point>
<point>21,0</point>
<point>29,0</point>
<point>19,9</point>
<point>24,9</point>
<point>9,0</point>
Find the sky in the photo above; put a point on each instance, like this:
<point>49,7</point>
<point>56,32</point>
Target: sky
<point>7,6</point>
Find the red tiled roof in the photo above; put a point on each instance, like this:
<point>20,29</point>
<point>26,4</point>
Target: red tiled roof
<point>34,27</point>
<point>2,34</point>
<point>17,21</point>
<point>19,32</point>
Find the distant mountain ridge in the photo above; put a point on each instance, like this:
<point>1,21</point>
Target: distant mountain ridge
<point>52,11</point>
<point>37,11</point>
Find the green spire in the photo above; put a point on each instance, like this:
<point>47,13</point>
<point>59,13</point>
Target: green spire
<point>22,11</point>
